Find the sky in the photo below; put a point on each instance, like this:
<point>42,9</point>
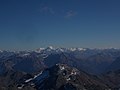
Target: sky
<point>30,24</point>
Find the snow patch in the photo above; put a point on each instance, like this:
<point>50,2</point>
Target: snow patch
<point>62,67</point>
<point>73,73</point>
<point>20,86</point>
<point>50,47</point>
<point>41,77</point>
<point>37,75</point>
<point>81,49</point>
<point>28,80</point>
<point>68,79</point>
<point>73,49</point>
<point>39,50</point>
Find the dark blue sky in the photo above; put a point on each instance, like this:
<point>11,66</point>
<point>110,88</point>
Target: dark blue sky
<point>29,24</point>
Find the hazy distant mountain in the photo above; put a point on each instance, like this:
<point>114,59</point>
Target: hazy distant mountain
<point>28,63</point>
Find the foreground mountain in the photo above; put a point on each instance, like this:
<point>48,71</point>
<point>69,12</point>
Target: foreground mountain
<point>63,77</point>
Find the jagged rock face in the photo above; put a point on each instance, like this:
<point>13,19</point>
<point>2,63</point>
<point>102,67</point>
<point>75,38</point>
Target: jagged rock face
<point>62,77</point>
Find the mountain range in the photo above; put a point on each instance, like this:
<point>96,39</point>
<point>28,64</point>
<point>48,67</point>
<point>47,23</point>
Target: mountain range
<point>96,69</point>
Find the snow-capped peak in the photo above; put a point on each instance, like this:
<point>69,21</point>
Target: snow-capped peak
<point>50,47</point>
<point>81,49</point>
<point>40,49</point>
<point>61,49</point>
<point>73,49</point>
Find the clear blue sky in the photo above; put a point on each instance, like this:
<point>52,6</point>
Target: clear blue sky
<point>29,24</point>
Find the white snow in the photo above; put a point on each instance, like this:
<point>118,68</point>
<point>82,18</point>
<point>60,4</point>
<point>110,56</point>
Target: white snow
<point>81,49</point>
<point>29,80</point>
<point>61,50</point>
<point>37,75</point>
<point>62,67</point>
<point>32,84</point>
<point>64,74</point>
<point>50,47</point>
<point>42,76</point>
<point>68,79</point>
<point>73,73</point>
<point>27,54</point>
<point>73,49</point>
<point>39,50</point>
<point>20,87</point>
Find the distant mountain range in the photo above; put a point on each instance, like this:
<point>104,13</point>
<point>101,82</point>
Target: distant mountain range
<point>97,66</point>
